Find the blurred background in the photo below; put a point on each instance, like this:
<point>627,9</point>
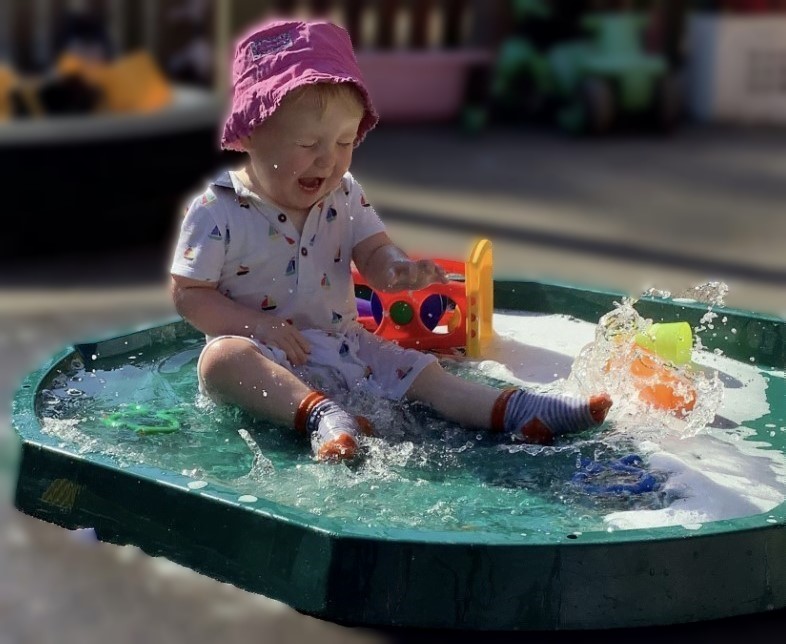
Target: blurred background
<point>636,146</point>
<point>595,132</point>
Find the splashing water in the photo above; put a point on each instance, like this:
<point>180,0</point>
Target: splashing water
<point>653,397</point>
<point>712,293</point>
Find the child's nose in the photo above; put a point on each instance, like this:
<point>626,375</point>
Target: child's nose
<point>325,158</point>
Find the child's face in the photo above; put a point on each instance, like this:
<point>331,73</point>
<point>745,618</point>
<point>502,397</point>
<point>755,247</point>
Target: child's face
<point>303,150</point>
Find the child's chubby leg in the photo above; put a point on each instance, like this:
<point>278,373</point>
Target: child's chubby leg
<point>530,416</point>
<point>232,370</point>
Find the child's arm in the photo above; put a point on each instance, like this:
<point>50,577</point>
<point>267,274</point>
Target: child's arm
<point>389,269</point>
<point>203,306</point>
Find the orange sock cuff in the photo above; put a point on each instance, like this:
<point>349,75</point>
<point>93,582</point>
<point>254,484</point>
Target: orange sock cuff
<point>498,410</point>
<point>305,408</point>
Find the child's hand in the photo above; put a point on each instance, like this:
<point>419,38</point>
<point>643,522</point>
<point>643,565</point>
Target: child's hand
<point>411,275</point>
<point>279,333</point>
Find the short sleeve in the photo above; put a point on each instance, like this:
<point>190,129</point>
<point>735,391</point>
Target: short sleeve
<point>365,221</point>
<point>200,249</point>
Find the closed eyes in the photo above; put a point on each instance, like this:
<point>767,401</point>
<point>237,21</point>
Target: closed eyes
<point>311,146</point>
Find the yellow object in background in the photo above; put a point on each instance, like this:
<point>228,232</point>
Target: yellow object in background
<point>92,72</point>
<point>131,83</point>
<point>8,82</point>
<point>135,83</point>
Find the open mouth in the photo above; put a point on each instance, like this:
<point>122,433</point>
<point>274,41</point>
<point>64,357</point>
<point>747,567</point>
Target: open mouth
<point>310,184</point>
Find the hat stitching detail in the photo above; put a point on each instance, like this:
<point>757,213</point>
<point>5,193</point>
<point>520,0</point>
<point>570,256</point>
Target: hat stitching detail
<point>269,46</point>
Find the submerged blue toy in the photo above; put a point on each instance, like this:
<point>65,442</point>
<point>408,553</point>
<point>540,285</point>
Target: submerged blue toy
<point>622,476</point>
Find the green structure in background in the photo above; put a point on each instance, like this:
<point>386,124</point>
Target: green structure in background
<point>589,83</point>
<point>347,571</point>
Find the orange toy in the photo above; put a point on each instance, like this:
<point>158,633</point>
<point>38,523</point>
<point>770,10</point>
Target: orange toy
<point>464,308</point>
<point>659,383</point>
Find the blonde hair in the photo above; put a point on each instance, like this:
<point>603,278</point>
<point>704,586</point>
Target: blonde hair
<point>320,94</point>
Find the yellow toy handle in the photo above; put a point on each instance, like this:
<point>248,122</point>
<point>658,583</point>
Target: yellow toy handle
<point>480,297</point>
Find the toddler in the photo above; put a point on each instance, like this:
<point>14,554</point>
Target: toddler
<point>262,264</point>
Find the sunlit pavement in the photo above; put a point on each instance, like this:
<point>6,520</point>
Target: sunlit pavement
<point>622,214</point>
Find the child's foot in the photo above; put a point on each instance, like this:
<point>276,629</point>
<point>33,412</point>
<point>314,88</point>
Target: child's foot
<point>539,418</point>
<point>340,444</point>
<point>334,432</point>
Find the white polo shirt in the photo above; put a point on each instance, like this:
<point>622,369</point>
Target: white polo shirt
<point>232,237</point>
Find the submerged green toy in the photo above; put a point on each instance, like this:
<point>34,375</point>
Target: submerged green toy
<point>143,420</point>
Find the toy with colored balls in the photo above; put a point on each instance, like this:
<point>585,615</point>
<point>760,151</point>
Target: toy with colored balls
<point>401,312</point>
<point>440,317</point>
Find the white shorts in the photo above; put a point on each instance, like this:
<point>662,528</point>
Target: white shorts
<point>344,361</point>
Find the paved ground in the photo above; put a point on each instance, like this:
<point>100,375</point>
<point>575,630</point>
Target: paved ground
<point>626,214</point>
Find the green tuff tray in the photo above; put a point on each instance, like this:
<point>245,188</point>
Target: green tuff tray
<point>354,574</point>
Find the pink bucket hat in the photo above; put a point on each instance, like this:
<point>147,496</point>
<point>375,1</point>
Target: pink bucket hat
<point>282,55</point>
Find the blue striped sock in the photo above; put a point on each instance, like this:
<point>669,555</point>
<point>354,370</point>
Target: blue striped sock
<point>561,413</point>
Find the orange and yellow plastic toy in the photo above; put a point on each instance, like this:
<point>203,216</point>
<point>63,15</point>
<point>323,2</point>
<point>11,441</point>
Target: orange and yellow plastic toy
<point>653,365</point>
<point>440,317</point>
